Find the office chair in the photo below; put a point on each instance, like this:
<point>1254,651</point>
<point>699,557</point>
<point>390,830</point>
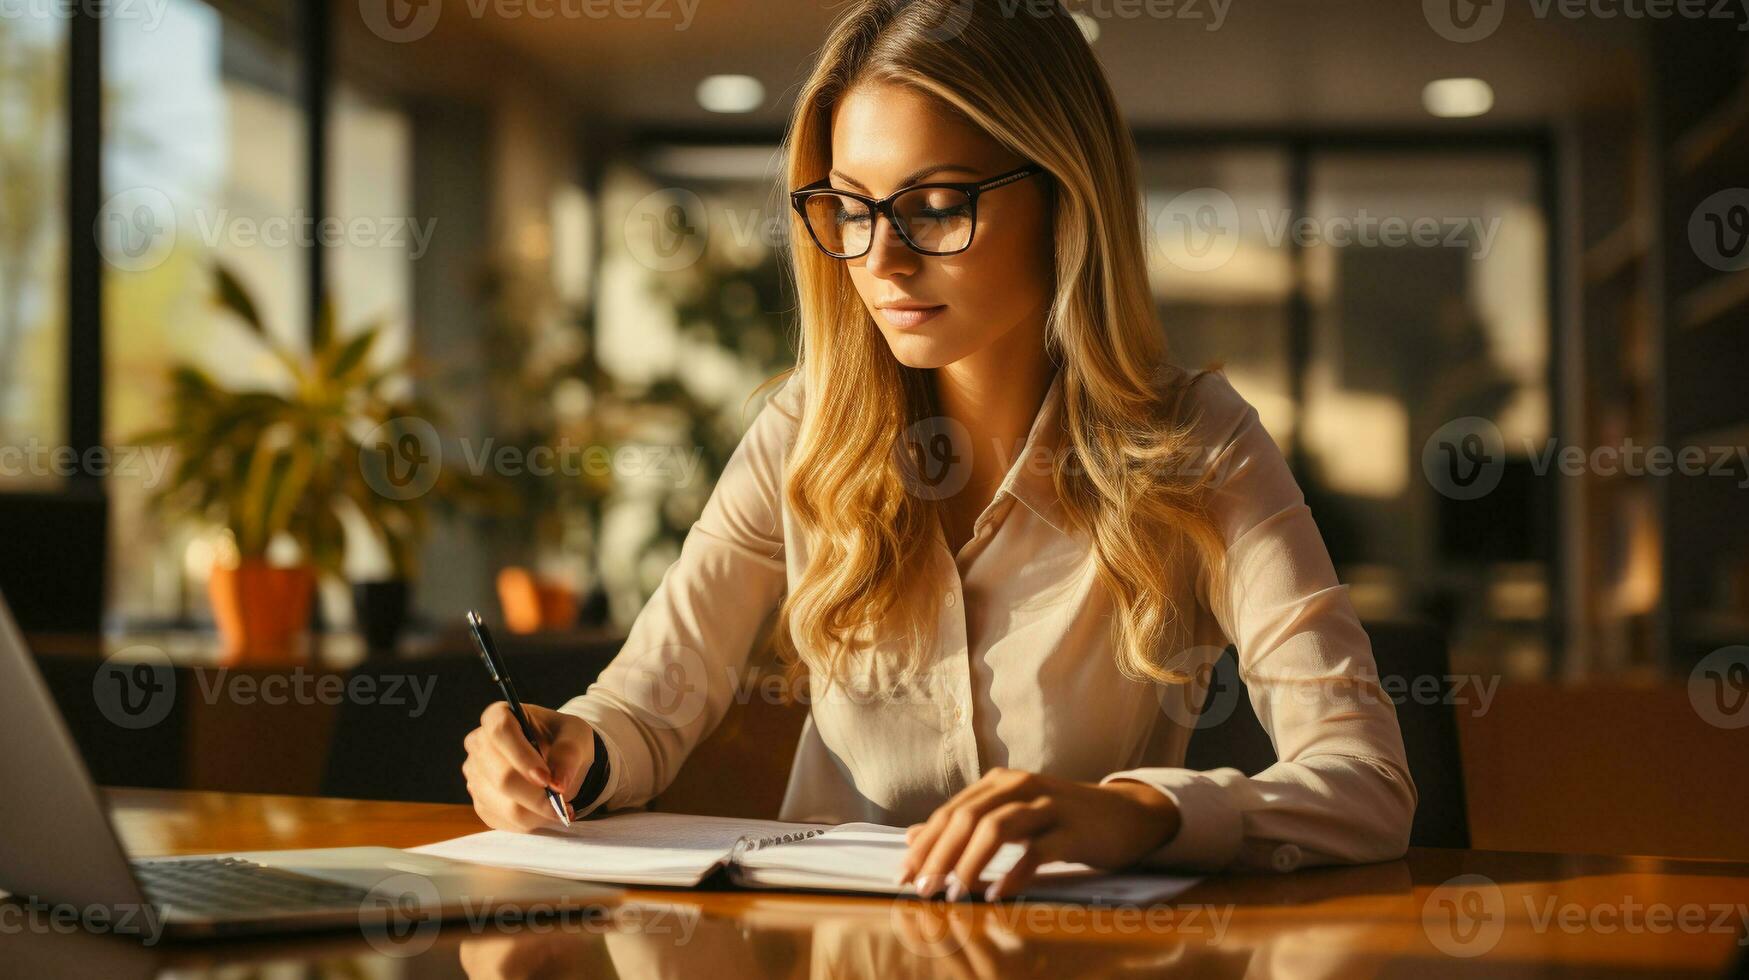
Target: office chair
<point>58,545</point>
<point>378,751</point>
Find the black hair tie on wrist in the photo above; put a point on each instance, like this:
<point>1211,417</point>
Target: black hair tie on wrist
<point>596,779</point>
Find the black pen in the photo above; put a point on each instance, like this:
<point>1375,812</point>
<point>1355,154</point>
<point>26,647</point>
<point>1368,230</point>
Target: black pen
<point>501,677</point>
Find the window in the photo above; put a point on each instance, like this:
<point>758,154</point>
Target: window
<point>1428,284</point>
<point>33,161</point>
<point>1405,291</point>
<point>370,264</point>
<point>1221,278</point>
<point>203,161</point>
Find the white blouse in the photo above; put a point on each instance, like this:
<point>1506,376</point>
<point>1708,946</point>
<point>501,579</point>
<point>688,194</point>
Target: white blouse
<point>1023,673</point>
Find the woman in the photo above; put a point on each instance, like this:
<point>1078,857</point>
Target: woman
<point>996,646</point>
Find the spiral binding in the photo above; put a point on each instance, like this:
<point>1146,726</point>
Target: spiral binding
<point>748,843</point>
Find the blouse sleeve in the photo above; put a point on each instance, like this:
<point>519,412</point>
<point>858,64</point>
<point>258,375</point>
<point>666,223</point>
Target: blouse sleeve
<point>674,678</point>
<point>1340,791</point>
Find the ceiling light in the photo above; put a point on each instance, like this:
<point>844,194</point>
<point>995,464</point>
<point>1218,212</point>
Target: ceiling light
<point>731,93</point>
<point>1457,98</point>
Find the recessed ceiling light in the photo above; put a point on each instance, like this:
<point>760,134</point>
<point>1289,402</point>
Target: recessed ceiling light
<point>1457,98</point>
<point>731,93</point>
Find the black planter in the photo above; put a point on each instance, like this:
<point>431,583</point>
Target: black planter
<point>381,610</point>
<point>594,609</point>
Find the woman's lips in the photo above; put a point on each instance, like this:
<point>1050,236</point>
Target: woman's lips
<point>908,319</point>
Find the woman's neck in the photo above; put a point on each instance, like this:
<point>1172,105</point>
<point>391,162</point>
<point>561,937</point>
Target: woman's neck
<point>995,394</point>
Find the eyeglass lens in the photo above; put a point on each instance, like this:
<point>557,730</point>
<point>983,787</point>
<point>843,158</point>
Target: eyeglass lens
<point>936,219</point>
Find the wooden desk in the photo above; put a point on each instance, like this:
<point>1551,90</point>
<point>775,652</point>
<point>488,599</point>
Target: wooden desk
<point>1534,914</point>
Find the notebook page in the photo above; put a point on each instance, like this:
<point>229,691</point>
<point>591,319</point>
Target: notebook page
<point>628,848</point>
<point>866,853</point>
<point>866,857</point>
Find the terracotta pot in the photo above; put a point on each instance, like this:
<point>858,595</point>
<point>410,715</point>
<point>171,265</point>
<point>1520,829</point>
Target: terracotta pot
<point>531,605</point>
<point>263,612</point>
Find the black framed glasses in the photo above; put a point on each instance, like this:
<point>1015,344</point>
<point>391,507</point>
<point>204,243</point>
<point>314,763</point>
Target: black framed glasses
<point>933,219</point>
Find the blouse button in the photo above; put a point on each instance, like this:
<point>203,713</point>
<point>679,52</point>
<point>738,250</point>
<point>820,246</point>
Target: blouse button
<point>1286,857</point>
<point>951,600</point>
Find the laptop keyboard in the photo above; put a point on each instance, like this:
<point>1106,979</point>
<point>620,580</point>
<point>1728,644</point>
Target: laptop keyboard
<point>231,886</point>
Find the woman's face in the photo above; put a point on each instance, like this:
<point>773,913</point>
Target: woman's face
<point>887,136</point>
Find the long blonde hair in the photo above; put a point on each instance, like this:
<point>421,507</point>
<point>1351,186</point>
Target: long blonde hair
<point>1029,80</point>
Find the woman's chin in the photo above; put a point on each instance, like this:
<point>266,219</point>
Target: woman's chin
<point>921,351</point>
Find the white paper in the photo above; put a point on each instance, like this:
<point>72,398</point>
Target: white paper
<point>679,850</point>
<point>866,857</point>
<point>632,848</point>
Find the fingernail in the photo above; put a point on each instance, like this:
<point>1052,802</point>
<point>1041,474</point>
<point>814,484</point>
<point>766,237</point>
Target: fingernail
<point>993,893</point>
<point>955,889</point>
<point>928,885</point>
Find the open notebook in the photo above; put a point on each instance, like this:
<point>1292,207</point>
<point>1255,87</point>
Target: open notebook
<point>682,851</point>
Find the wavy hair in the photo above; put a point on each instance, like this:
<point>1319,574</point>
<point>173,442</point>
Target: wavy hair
<point>1028,79</point>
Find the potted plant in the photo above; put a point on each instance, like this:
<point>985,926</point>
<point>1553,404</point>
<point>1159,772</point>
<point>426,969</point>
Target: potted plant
<point>271,467</point>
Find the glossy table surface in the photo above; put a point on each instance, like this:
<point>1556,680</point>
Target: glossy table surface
<point>1433,913</point>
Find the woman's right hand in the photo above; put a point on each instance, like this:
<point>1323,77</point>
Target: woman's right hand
<point>508,779</point>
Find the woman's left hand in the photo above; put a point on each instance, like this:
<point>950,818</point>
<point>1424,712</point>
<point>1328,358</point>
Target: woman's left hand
<point>1107,826</point>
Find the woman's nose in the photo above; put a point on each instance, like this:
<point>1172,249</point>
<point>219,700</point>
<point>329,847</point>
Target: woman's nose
<point>888,255</point>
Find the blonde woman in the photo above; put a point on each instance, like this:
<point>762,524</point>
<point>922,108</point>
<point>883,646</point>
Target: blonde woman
<point>1001,535</point>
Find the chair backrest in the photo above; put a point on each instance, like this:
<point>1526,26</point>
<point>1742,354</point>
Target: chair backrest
<point>1412,661</point>
<point>57,547</point>
<point>395,746</point>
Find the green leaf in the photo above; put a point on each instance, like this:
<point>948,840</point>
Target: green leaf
<point>327,541</point>
<point>352,354</point>
<point>232,296</point>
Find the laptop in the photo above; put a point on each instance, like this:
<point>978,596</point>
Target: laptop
<point>58,851</point>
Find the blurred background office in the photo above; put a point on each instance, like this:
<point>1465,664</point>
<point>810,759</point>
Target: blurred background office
<point>323,322</point>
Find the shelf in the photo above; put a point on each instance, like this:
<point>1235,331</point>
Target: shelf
<point>1615,252</point>
<point>1714,130</point>
<point>1722,627</point>
<point>1704,304</point>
